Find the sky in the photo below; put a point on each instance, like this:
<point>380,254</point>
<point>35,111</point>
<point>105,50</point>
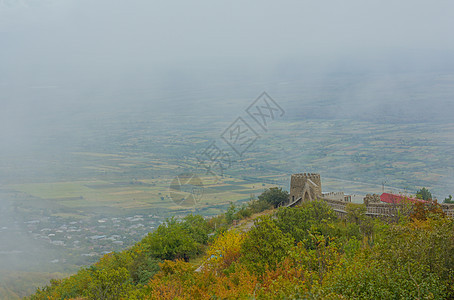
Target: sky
<point>55,55</point>
<point>41,39</point>
<point>45,44</point>
<point>61,58</point>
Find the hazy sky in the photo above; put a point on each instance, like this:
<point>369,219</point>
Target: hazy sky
<point>54,53</point>
<point>45,37</point>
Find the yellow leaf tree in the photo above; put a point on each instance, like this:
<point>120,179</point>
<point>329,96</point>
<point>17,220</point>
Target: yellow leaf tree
<point>224,251</point>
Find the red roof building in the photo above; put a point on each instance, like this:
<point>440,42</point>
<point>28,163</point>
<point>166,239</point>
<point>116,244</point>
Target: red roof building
<point>396,199</point>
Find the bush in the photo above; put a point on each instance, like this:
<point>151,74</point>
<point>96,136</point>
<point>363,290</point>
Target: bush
<point>310,216</point>
<point>265,246</point>
<point>177,240</point>
<point>109,284</point>
<point>274,196</point>
<point>143,268</point>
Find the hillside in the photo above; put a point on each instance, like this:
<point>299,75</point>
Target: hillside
<point>299,252</point>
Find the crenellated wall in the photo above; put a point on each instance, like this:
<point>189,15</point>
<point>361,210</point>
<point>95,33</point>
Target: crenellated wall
<point>448,209</point>
<point>383,209</point>
<point>334,196</point>
<point>303,183</point>
<point>309,185</point>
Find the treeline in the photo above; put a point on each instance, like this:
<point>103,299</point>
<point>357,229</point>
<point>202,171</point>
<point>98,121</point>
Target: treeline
<point>302,252</point>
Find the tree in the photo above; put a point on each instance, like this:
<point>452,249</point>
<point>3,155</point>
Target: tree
<point>256,206</point>
<point>412,260</point>
<point>230,214</point>
<point>224,251</point>
<point>109,284</point>
<point>368,277</point>
<point>356,214</point>
<point>274,196</point>
<point>372,198</point>
<point>423,246</point>
<point>424,194</point>
<point>197,227</point>
<point>173,240</point>
<point>310,216</point>
<point>287,281</point>
<point>265,246</point>
<point>448,200</point>
<point>173,281</point>
<point>143,268</point>
<point>423,211</point>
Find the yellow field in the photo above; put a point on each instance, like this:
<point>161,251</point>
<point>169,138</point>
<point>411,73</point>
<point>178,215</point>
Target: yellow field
<point>143,194</point>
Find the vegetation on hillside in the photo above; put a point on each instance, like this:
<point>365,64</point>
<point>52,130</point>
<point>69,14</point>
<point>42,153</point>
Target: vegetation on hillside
<point>448,200</point>
<point>424,194</point>
<point>302,252</point>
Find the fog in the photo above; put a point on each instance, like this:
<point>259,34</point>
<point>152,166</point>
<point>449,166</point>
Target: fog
<point>75,73</point>
<point>63,54</point>
<point>47,43</point>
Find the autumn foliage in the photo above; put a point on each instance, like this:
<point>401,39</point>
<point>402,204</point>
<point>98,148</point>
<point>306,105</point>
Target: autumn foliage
<point>298,253</point>
<point>224,251</point>
<point>422,211</point>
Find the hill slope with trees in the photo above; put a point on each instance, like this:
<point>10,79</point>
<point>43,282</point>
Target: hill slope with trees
<point>302,252</point>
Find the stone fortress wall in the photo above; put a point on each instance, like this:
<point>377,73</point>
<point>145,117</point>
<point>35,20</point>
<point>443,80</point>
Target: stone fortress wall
<point>308,187</point>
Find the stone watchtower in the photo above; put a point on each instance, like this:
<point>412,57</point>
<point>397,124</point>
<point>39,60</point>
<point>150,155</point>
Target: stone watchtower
<point>306,186</point>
